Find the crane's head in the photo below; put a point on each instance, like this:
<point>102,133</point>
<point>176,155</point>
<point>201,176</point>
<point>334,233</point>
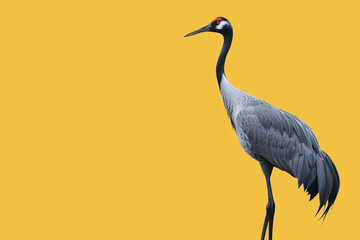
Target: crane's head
<point>219,25</point>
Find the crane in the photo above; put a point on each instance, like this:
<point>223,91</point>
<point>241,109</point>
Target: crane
<point>274,137</point>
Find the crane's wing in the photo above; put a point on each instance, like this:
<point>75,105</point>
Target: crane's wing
<point>274,133</point>
<point>289,144</point>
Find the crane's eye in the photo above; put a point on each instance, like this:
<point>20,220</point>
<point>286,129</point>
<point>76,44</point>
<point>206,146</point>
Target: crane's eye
<point>217,22</point>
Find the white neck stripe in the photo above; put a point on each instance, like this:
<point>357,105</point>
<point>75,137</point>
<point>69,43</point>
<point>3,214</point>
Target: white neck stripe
<point>221,25</point>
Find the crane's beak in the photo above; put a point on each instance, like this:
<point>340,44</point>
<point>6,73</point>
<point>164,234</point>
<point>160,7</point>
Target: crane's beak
<point>200,30</point>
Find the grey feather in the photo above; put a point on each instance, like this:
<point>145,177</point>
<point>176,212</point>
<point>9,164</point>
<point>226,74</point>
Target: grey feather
<point>289,144</point>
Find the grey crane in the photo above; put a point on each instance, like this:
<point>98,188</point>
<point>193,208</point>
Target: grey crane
<point>274,137</point>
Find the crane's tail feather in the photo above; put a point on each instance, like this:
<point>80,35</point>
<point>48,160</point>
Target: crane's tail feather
<point>322,179</point>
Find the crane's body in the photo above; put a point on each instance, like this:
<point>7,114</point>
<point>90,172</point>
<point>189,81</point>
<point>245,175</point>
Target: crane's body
<point>274,137</point>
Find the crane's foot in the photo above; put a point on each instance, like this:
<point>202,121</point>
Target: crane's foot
<point>269,220</point>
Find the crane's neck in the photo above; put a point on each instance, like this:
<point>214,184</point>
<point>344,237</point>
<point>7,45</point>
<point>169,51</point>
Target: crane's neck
<point>228,35</point>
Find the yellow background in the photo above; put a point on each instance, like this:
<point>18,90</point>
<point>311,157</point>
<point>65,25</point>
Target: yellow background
<point>112,124</point>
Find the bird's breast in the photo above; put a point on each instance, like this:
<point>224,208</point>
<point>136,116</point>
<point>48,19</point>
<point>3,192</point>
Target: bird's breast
<point>244,142</point>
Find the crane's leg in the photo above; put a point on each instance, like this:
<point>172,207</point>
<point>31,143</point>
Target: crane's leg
<point>270,207</point>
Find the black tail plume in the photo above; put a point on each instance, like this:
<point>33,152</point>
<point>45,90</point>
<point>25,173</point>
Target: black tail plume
<point>325,181</point>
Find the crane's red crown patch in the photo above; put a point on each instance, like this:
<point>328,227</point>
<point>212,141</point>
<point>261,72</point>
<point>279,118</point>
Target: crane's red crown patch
<point>217,20</point>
